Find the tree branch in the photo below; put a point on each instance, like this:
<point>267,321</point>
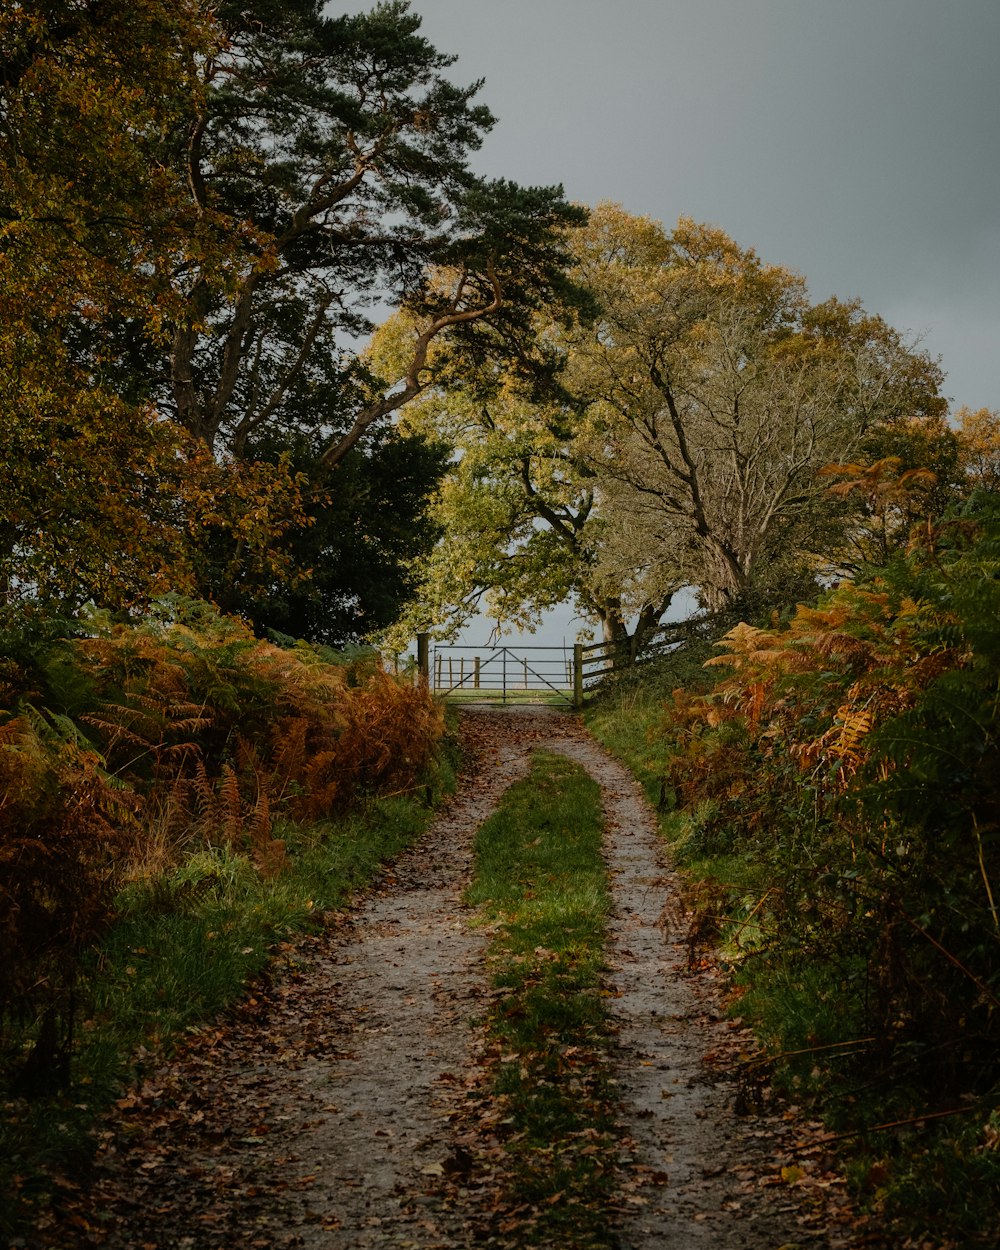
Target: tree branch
<point>412,385</point>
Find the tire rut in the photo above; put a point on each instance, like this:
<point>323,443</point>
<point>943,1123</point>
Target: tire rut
<point>696,1165</point>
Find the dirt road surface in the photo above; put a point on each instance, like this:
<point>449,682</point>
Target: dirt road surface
<point>318,1115</point>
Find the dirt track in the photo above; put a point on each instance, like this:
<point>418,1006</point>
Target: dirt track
<point>319,1117</point>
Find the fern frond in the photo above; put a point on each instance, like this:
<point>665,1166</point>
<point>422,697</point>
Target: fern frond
<point>230,807</point>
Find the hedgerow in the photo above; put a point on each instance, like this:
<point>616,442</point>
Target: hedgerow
<point>125,748</point>
<point>836,793</point>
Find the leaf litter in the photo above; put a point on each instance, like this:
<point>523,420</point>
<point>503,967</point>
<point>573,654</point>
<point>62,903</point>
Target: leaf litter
<point>343,1105</point>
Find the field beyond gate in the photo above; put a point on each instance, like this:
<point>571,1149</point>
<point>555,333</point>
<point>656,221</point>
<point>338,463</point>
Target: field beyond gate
<point>504,674</point>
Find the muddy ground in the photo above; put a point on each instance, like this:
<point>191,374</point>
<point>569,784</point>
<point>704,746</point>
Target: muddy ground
<point>321,1114</point>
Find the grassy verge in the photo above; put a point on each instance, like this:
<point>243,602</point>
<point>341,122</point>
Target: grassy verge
<point>490,694</point>
<point>928,1182</point>
<point>624,711</point>
<point>541,881</point>
<point>184,947</point>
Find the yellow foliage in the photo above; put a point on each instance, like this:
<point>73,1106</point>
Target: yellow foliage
<point>979,445</point>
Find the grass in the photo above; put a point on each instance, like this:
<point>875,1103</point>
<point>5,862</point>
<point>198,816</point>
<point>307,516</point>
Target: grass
<point>624,710</point>
<point>493,694</point>
<point>541,882</point>
<point>623,720</point>
<point>184,947</point>
<point>937,1183</point>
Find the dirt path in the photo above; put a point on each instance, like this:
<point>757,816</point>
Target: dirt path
<point>705,1175</point>
<point>320,1117</point>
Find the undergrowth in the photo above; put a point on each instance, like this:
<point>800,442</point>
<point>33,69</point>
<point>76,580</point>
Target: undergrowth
<point>829,787</point>
<point>540,882</point>
<point>126,746</point>
<point>184,948</point>
<point>176,799</point>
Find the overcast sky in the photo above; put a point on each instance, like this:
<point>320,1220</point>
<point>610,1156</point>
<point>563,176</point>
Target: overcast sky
<point>855,141</point>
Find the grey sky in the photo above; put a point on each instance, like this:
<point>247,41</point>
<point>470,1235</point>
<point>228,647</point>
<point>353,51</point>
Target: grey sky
<point>855,141</point>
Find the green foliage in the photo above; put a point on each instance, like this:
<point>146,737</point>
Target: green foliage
<point>669,434</point>
<point>86,212</point>
<point>833,795</point>
<point>331,155</point>
<point>122,748</point>
<point>628,705</point>
<point>364,527</point>
<point>199,206</point>
<point>184,946</point>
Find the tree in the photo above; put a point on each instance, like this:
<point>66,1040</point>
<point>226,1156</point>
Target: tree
<point>92,492</point>
<point>911,472</point>
<point>516,514</point>
<point>331,155</point>
<point>202,211</point>
<point>718,392</point>
<point>519,510</point>
<point>978,437</point>
<point>672,439</point>
<point>351,566</point>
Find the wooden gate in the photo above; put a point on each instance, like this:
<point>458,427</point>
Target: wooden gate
<point>566,674</point>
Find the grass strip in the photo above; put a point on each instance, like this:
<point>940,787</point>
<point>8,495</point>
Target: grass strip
<point>541,881</point>
<point>185,947</point>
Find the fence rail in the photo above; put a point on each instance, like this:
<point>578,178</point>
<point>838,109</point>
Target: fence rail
<point>507,674</point>
<point>603,658</point>
<point>533,674</point>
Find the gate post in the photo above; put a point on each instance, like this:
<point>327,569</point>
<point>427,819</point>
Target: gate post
<point>578,675</point>
<point>424,658</point>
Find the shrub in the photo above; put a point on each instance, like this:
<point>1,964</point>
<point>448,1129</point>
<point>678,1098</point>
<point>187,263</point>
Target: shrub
<point>179,732</point>
<point>849,760</point>
<point>63,825</point>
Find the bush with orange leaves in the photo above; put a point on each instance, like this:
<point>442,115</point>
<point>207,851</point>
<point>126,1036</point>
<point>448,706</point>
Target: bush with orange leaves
<point>122,745</point>
<point>220,731</point>
<point>62,824</point>
<point>850,761</point>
